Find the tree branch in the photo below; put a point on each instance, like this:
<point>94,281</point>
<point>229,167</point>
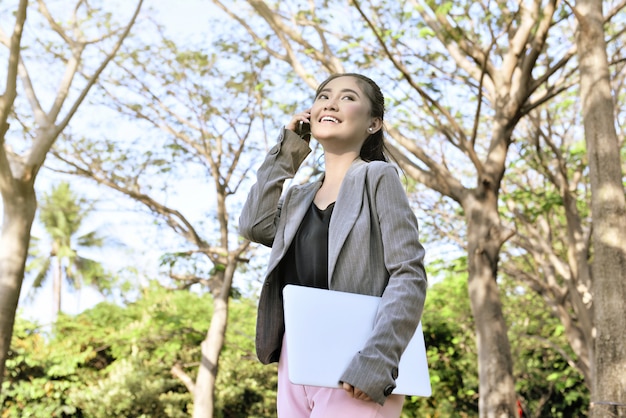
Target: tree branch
<point>10,92</point>
<point>439,178</point>
<point>42,146</point>
<point>572,363</point>
<point>332,66</point>
<point>178,372</point>
<point>457,131</point>
<point>176,220</point>
<point>442,28</point>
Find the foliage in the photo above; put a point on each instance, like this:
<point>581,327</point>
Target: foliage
<point>546,382</point>
<point>143,341</point>
<point>116,361</point>
<point>38,378</point>
<point>546,200</point>
<point>245,388</point>
<point>69,55</point>
<point>113,361</point>
<point>450,347</point>
<point>63,213</point>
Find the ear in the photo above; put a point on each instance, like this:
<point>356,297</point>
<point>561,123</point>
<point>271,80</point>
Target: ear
<point>375,125</point>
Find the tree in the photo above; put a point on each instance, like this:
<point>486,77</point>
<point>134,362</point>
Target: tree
<point>608,206</point>
<point>459,85</point>
<point>38,379</point>
<point>21,210</point>
<point>546,384</point>
<point>548,199</point>
<point>20,163</point>
<point>546,194</point>
<point>450,344</point>
<point>114,361</point>
<point>201,118</point>
<point>62,214</point>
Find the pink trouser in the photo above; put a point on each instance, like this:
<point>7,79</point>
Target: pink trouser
<point>300,401</point>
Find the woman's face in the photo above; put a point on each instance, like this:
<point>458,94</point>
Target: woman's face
<point>340,115</point>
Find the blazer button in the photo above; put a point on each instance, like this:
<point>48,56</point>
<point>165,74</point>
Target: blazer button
<point>389,389</point>
<point>394,373</point>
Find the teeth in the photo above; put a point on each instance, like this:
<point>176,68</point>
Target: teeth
<point>329,119</point>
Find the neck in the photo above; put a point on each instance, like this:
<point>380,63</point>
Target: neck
<point>337,165</point>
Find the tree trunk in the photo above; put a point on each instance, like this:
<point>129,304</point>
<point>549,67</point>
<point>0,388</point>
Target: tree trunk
<point>18,173</point>
<point>18,216</point>
<point>56,286</point>
<point>608,205</point>
<point>204,394</point>
<point>495,364</point>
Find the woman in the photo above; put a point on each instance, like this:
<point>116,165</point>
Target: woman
<point>352,231</point>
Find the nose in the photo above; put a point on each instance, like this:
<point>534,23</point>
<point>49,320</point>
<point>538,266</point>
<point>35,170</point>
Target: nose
<point>331,104</point>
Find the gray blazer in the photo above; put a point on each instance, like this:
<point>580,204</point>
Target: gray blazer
<point>373,249</point>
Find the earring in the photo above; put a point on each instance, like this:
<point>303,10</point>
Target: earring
<point>370,129</point>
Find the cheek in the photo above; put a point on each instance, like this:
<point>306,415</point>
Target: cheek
<point>355,110</point>
<point>316,107</point>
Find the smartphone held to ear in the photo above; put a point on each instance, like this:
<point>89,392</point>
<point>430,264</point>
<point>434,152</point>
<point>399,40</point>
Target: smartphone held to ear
<point>304,130</point>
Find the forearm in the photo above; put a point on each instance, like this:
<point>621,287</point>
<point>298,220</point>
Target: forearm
<point>261,210</point>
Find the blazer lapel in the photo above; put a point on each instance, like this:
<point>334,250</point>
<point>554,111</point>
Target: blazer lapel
<point>297,206</point>
<point>293,211</point>
<point>347,209</point>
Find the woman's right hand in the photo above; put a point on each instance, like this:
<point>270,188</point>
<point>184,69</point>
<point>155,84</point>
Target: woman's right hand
<point>356,392</point>
<point>297,118</point>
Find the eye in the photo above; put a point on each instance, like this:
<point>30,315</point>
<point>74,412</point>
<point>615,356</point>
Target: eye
<point>348,97</point>
<point>322,96</point>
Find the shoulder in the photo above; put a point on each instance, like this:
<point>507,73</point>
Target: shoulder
<point>383,181</point>
<point>381,169</point>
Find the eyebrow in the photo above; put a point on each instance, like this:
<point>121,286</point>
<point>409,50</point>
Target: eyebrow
<point>325,90</point>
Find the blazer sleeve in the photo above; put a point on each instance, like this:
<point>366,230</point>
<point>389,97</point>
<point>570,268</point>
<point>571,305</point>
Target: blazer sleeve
<point>261,211</point>
<point>374,369</point>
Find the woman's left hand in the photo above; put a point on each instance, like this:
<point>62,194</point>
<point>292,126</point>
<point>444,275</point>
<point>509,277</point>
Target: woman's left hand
<point>356,392</point>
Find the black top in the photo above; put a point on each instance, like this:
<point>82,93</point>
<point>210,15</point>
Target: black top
<point>306,261</point>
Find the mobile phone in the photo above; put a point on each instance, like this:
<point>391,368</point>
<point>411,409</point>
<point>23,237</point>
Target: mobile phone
<point>304,130</point>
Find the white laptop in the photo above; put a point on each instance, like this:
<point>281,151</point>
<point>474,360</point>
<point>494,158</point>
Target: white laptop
<point>325,329</point>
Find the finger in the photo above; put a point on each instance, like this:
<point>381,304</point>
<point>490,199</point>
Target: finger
<point>297,118</point>
<point>349,388</point>
<point>359,394</point>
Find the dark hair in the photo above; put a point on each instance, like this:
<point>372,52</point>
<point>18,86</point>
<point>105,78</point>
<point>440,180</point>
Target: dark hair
<point>373,149</point>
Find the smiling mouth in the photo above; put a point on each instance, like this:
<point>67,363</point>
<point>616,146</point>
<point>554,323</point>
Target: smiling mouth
<point>329,119</point>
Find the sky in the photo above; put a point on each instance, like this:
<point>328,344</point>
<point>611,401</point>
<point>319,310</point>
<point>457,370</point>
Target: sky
<point>183,19</point>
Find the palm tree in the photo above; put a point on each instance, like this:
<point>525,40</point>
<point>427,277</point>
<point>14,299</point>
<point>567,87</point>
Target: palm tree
<point>62,213</point>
